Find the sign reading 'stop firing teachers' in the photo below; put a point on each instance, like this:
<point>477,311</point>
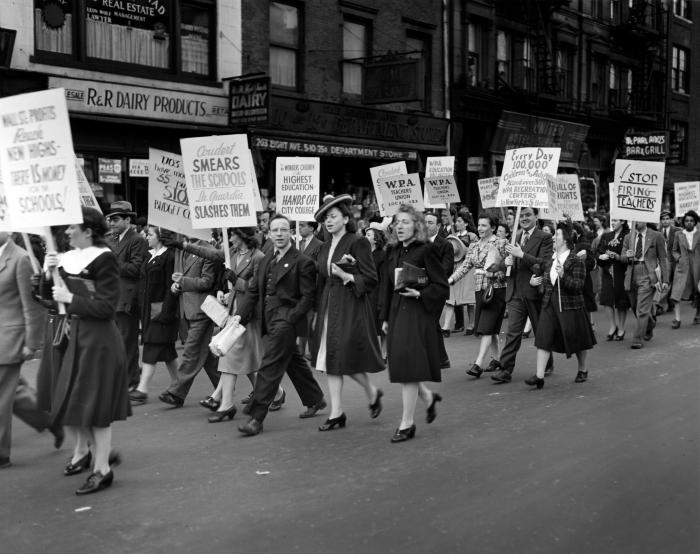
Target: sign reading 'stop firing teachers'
<point>635,193</point>
<point>298,187</point>
<point>37,160</point>
<point>525,179</point>
<point>219,184</point>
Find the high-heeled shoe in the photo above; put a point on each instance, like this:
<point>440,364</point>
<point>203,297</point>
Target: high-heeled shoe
<point>78,467</point>
<point>375,408</point>
<point>402,435</point>
<point>611,336</point>
<point>475,371</point>
<point>219,416</point>
<point>619,337</point>
<point>581,377</point>
<point>96,482</point>
<point>535,381</point>
<point>332,423</point>
<point>210,403</point>
<point>431,413</point>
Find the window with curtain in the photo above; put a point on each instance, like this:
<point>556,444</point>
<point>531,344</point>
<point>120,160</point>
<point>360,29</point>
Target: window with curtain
<point>355,45</point>
<point>502,58</point>
<point>565,71</point>
<point>420,46</point>
<point>678,149</point>
<point>473,54</point>
<point>679,69</point>
<point>284,44</point>
<point>613,90</point>
<point>681,8</point>
<point>53,25</point>
<point>196,20</point>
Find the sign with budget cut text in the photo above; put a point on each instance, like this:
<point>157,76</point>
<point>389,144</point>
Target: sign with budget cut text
<point>687,197</point>
<point>488,190</point>
<point>219,182</point>
<point>525,177</point>
<point>402,189</point>
<point>382,172</point>
<point>87,196</point>
<point>636,191</point>
<point>298,187</point>
<point>37,160</point>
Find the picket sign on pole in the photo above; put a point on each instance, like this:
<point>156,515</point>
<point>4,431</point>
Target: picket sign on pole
<point>514,237</point>
<point>32,257</point>
<point>55,275</point>
<point>227,252</point>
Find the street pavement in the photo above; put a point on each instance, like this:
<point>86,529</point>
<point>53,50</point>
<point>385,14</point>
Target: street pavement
<point>608,466</point>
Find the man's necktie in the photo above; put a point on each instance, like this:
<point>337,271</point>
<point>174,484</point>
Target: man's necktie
<point>525,238</point>
<point>638,247</point>
<point>666,233</point>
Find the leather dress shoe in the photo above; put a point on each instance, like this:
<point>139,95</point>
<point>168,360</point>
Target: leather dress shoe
<point>649,335</point>
<point>219,416</point>
<point>58,435</point>
<point>96,482</point>
<point>675,324</point>
<point>253,427</point>
<point>375,408</point>
<point>210,403</point>
<point>5,463</point>
<point>501,376</point>
<point>494,365</point>
<point>78,467</point>
<point>138,397</point>
<point>475,371</point>
<point>402,435</point>
<point>431,414</point>
<point>535,381</point>
<point>311,411</point>
<point>171,399</point>
<point>277,404</point>
<point>581,377</point>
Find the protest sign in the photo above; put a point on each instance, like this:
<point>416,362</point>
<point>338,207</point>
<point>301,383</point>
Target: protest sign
<point>37,159</point>
<point>440,167</point>
<point>488,190</point>
<point>254,180</point>
<point>568,199</point>
<point>635,193</point>
<point>687,197</point>
<point>87,197</point>
<point>382,172</point>
<point>402,189</point>
<point>441,190</point>
<point>219,183</point>
<point>523,180</point>
<point>298,187</point>
<point>168,204</point>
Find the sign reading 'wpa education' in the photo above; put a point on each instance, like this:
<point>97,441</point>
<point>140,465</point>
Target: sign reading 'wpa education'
<point>219,184</point>
<point>298,187</point>
<point>37,160</point>
<point>402,189</point>
<point>635,194</point>
<point>440,184</point>
<point>528,174</point>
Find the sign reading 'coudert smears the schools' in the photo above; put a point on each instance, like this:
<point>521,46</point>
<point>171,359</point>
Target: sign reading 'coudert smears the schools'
<point>219,184</point>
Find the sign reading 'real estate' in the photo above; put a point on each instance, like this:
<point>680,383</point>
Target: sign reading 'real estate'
<point>635,194</point>
<point>382,172</point>
<point>402,189</point>
<point>687,197</point>
<point>528,176</point>
<point>37,160</point>
<point>168,204</point>
<point>298,187</point>
<point>219,184</point>
<point>97,97</point>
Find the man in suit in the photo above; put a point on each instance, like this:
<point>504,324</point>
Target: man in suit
<point>264,232</point>
<point>447,261</point>
<point>532,248</point>
<point>280,298</point>
<point>644,250</point>
<point>21,328</point>
<point>309,245</point>
<point>668,230</point>
<point>131,250</point>
<point>194,278</point>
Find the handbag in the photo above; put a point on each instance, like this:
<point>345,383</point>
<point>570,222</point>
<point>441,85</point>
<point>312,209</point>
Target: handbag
<point>226,338</point>
<point>61,336</point>
<point>488,295</point>
<point>410,276</point>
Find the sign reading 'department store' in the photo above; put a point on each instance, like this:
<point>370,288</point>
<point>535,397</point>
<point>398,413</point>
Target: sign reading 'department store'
<point>142,102</point>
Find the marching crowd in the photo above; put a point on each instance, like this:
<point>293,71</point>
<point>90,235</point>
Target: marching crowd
<point>114,300</point>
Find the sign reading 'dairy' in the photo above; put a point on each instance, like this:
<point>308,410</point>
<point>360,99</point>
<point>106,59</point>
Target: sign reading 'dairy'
<point>568,199</point>
<point>524,179</point>
<point>488,190</point>
<point>443,168</point>
<point>402,189</point>
<point>219,183</point>
<point>168,204</point>
<point>687,197</point>
<point>37,159</point>
<point>635,193</point>
<point>382,172</point>
<point>87,196</point>
<point>298,187</point>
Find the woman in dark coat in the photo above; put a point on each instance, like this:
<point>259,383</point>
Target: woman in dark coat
<point>612,278</point>
<point>409,315</point>
<point>92,387</point>
<point>564,325</point>
<point>159,313</point>
<point>377,241</point>
<point>582,248</point>
<point>345,336</point>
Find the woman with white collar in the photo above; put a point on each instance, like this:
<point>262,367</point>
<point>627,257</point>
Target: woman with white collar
<point>92,386</point>
<point>564,325</point>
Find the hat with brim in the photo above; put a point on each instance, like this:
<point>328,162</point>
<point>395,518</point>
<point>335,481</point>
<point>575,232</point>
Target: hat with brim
<point>376,226</point>
<point>666,212</point>
<point>458,246</point>
<point>331,202</point>
<point>121,208</point>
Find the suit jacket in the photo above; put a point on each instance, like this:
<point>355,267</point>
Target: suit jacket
<point>654,255</point>
<point>131,253</point>
<point>686,256</point>
<point>446,253</point>
<point>312,249</point>
<point>21,318</point>
<point>293,287</point>
<point>198,280</point>
<point>536,251</point>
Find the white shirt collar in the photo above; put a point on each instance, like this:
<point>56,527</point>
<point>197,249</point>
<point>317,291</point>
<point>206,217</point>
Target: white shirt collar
<point>2,248</point>
<point>121,236</point>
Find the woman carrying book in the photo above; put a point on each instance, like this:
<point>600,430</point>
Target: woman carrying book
<point>409,313</point>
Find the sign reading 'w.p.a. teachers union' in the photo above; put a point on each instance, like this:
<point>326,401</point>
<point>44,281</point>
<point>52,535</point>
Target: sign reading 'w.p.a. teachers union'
<point>219,183</point>
<point>635,194</point>
<point>528,174</point>
<point>402,189</point>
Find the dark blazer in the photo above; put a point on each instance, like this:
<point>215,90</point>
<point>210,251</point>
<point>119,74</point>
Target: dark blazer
<point>156,283</point>
<point>446,253</point>
<point>312,249</point>
<point>672,230</point>
<point>293,288</point>
<point>571,285</point>
<point>536,252</point>
<point>131,252</point>
<point>654,255</point>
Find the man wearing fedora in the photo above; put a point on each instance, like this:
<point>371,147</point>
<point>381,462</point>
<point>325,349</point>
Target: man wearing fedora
<point>131,250</point>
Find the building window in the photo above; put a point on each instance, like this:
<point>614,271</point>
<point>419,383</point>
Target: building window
<point>473,54</point>
<point>598,76</point>
<point>597,9</point>
<point>146,34</point>
<point>502,58</point>
<point>615,11</point>
<point>355,47</point>
<point>523,70</point>
<point>284,45</point>
<point>565,72</point>
<point>420,46</point>
<point>681,8</point>
<point>678,149</point>
<point>613,87</point>
<point>679,69</point>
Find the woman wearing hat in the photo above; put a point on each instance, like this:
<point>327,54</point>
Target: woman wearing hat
<point>345,338</point>
<point>245,355</point>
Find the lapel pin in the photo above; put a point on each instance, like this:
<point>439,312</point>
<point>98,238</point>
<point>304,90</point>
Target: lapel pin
<point>286,265</point>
